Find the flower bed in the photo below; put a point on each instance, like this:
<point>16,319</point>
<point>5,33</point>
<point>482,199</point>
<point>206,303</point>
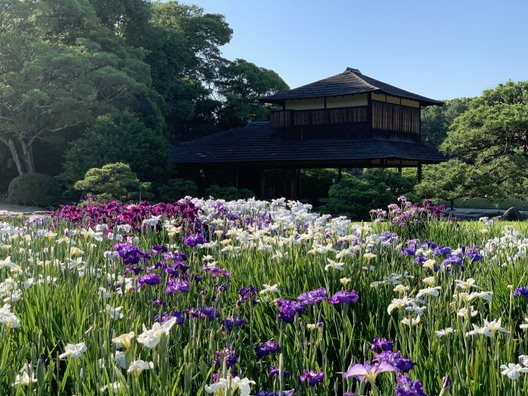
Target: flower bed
<point>263,298</point>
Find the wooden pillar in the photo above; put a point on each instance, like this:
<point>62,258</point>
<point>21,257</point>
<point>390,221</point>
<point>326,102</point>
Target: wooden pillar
<point>262,187</point>
<point>292,183</point>
<point>419,172</point>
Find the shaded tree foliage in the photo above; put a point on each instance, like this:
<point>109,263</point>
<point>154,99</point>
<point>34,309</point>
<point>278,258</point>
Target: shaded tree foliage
<point>119,137</point>
<point>78,70</point>
<point>241,83</point>
<point>66,68</point>
<point>492,135</point>
<point>436,120</point>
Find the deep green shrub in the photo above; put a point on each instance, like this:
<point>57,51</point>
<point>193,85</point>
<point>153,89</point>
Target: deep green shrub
<point>35,189</point>
<point>112,181</point>
<point>175,189</point>
<point>228,193</point>
<point>355,196</point>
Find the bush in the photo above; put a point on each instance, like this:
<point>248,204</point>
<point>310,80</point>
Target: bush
<point>375,188</point>
<point>228,193</point>
<point>112,181</point>
<point>355,196</point>
<point>35,189</point>
<point>175,189</point>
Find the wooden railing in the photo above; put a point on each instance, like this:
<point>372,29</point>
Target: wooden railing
<point>287,119</point>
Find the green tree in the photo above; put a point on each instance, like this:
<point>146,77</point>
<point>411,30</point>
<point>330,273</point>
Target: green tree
<point>436,120</point>
<point>112,181</point>
<point>119,137</point>
<point>242,83</point>
<point>492,135</point>
<point>447,181</point>
<point>61,68</point>
<point>184,57</point>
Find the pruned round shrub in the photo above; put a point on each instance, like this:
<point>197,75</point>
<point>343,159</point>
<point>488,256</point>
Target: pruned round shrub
<point>228,193</point>
<point>35,189</point>
<point>112,181</point>
<point>174,189</point>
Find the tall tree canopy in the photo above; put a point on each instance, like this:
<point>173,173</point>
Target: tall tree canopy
<point>62,68</point>
<point>106,74</point>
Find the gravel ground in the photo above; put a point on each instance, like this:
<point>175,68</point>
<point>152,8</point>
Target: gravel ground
<point>19,209</point>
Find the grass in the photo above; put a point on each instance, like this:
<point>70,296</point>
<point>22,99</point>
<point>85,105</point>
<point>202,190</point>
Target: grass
<point>60,283</point>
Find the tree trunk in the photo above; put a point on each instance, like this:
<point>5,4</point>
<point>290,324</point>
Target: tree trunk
<point>16,157</point>
<point>27,151</point>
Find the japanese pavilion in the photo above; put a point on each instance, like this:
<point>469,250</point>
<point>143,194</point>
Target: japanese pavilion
<point>348,120</point>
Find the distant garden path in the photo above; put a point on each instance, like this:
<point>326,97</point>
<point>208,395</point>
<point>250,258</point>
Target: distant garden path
<point>19,209</point>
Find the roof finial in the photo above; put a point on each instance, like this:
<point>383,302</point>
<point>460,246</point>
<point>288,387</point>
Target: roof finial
<point>351,69</point>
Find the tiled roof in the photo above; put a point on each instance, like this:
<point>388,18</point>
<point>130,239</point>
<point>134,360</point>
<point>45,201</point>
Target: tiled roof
<point>258,143</point>
<point>350,82</point>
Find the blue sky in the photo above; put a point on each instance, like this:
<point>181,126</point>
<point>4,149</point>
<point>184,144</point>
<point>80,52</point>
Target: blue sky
<point>439,49</point>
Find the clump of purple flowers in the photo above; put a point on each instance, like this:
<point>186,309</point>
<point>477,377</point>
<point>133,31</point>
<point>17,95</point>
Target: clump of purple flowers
<point>90,213</point>
<point>406,213</point>
<point>267,348</point>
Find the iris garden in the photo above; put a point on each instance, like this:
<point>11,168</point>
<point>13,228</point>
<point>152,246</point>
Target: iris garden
<point>261,298</point>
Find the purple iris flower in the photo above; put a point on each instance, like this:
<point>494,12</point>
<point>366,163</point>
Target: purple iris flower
<point>175,285</point>
<point>231,322</point>
<point>312,377</point>
<point>521,291</point>
<point>158,302</point>
<point>274,372</point>
<point>312,297</point>
<point>442,251</point>
<point>289,392</point>
<point>288,309</point>
<point>402,363</point>
<point>408,387</point>
<point>368,371</point>
<point>344,297</point>
<point>229,356</point>
<point>215,271</point>
<point>381,344</point>
<point>193,240</point>
<point>267,348</point>
<point>248,293</point>
<point>149,279</point>
<point>131,254</point>
<point>180,318</point>
<point>157,249</point>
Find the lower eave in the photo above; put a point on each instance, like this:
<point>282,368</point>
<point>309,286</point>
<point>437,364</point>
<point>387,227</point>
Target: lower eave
<point>259,145</point>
